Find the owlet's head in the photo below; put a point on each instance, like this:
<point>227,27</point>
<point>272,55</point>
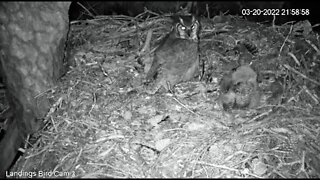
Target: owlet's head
<point>186,27</point>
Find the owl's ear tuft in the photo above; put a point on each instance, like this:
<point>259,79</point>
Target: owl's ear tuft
<point>175,18</point>
<point>195,18</point>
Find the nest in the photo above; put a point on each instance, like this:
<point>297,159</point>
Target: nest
<point>101,126</point>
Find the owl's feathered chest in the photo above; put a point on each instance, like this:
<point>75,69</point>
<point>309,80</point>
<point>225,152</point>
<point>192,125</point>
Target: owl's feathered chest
<point>172,45</point>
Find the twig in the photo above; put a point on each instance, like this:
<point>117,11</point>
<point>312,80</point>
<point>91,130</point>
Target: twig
<point>285,40</point>
<point>135,19</point>
<point>90,14</point>
<point>151,12</point>
<point>142,26</point>
<point>43,150</point>
<point>94,98</point>
<point>185,106</point>
<point>259,116</point>
<point>207,9</point>
<point>313,97</point>
<point>302,75</point>
<point>117,34</point>
<point>147,42</point>
<point>111,166</point>
<point>294,58</point>
<point>215,122</point>
<point>78,157</point>
<point>314,46</point>
<point>273,21</point>
<point>141,14</point>
<point>302,168</point>
<point>225,167</point>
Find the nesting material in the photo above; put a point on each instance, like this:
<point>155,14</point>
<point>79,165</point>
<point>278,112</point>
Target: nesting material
<point>100,121</point>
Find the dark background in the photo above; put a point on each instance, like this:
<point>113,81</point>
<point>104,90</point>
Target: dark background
<point>133,8</point>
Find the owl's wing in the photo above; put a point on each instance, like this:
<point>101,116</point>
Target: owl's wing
<point>225,83</point>
<point>161,55</point>
<point>153,71</point>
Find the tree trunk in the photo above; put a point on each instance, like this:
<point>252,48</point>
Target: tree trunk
<point>32,42</point>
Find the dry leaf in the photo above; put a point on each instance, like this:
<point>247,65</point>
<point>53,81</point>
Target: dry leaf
<point>161,144</point>
<point>195,126</point>
<point>127,115</point>
<point>259,168</point>
<point>155,120</point>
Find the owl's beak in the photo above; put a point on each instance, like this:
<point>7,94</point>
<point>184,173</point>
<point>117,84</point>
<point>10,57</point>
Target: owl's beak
<point>190,35</point>
<point>189,32</point>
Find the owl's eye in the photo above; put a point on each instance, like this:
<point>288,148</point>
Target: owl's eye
<point>182,27</point>
<point>194,26</point>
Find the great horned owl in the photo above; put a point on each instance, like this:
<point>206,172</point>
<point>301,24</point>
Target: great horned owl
<point>177,57</point>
